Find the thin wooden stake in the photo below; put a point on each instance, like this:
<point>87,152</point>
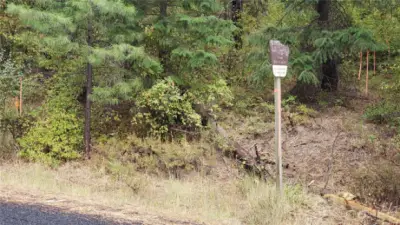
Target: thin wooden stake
<point>20,96</point>
<point>359,70</point>
<point>366,79</point>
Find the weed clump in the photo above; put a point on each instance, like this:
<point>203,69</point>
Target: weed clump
<point>265,205</point>
<point>378,183</point>
<point>153,156</point>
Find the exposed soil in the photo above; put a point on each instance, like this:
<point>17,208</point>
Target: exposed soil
<point>320,154</point>
<point>323,154</point>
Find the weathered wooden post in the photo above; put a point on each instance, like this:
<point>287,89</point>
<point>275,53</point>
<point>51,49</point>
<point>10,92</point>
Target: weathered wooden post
<point>279,54</point>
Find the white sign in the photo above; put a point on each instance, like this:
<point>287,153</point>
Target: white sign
<point>279,70</point>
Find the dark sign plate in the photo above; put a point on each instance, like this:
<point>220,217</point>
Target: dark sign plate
<point>279,53</point>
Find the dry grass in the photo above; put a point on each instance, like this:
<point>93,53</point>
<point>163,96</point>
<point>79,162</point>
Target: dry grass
<point>235,201</point>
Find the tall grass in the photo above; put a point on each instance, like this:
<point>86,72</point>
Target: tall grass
<point>238,201</point>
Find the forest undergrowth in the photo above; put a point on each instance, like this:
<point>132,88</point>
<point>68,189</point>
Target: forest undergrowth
<point>168,106</point>
<point>335,147</point>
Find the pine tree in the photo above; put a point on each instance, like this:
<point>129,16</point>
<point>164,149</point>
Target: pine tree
<point>95,34</point>
<point>317,46</point>
<point>190,37</point>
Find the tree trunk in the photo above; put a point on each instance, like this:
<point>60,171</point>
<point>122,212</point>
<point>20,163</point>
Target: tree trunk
<point>387,42</point>
<point>360,69</point>
<point>374,62</point>
<point>162,52</point>
<point>366,78</point>
<point>323,7</point>
<point>88,104</point>
<point>330,76</point>
<point>237,7</point>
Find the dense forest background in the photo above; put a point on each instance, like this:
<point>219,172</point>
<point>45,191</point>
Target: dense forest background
<point>138,81</point>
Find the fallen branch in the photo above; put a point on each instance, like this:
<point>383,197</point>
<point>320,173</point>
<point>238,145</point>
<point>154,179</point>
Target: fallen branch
<point>255,164</point>
<point>330,165</point>
<point>357,206</point>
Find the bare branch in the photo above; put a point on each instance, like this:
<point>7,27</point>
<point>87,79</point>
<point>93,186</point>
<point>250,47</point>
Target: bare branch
<point>330,164</point>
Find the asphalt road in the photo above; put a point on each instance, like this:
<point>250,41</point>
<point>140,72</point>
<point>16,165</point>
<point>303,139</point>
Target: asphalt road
<point>16,214</point>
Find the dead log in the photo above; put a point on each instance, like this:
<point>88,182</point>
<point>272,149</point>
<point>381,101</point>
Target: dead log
<point>357,206</point>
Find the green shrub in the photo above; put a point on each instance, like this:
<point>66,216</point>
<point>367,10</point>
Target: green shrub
<point>383,112</point>
<point>56,138</point>
<point>212,96</point>
<point>56,134</point>
<point>288,102</point>
<point>163,109</point>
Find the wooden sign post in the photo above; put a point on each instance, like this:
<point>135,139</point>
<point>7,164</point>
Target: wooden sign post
<point>279,55</point>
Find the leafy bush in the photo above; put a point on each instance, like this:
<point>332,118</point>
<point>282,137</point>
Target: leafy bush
<point>56,135</point>
<point>212,96</point>
<point>383,112</point>
<point>163,109</point>
<point>298,114</point>
<point>288,102</point>
<point>55,138</point>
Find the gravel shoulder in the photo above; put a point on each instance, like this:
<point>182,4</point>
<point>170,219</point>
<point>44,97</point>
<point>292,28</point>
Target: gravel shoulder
<point>18,207</point>
<point>19,214</point>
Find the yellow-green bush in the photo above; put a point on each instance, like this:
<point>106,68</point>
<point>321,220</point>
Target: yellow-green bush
<point>58,137</point>
<point>153,156</point>
<point>163,108</point>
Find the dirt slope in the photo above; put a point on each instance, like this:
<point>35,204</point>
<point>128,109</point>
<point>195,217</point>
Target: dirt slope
<point>319,154</point>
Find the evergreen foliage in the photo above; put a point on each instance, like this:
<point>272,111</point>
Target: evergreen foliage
<point>310,46</point>
<point>161,68</point>
<point>192,38</point>
<point>60,29</point>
